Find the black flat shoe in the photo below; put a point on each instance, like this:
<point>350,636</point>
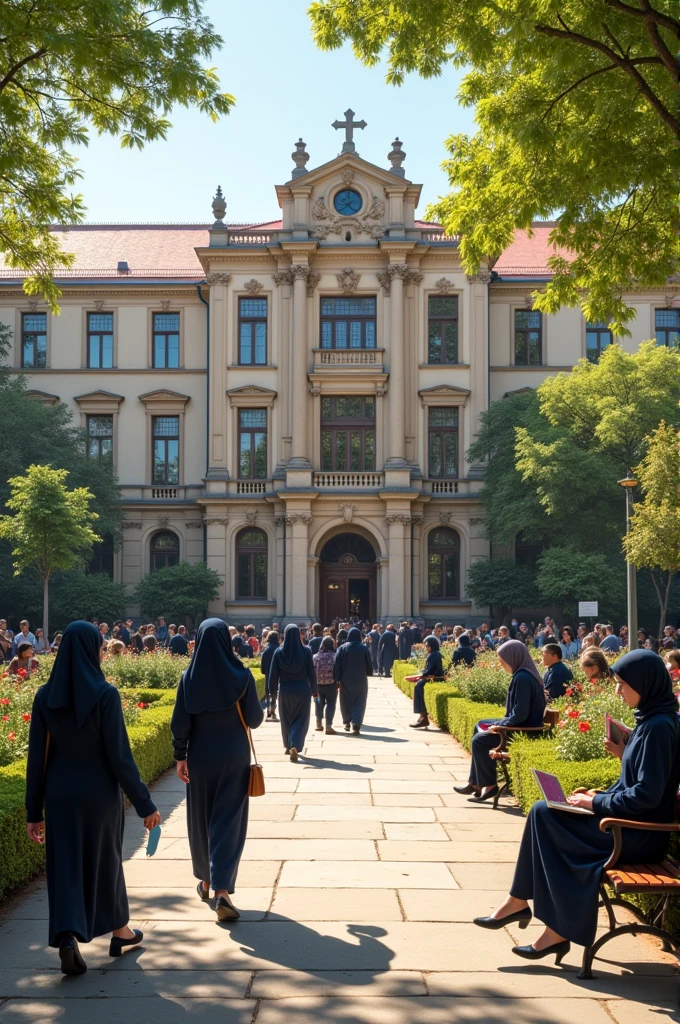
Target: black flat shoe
<point>356,729</point>
<point>286,750</point>
<point>293,754</point>
<point>420,724</point>
<point>347,727</point>
<point>489,795</point>
<point>204,894</point>
<point>225,910</point>
<point>520,917</point>
<point>69,954</point>
<point>560,949</point>
<point>117,945</point>
<point>465,790</point>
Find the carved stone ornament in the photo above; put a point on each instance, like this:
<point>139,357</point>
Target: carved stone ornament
<point>208,521</point>
<point>219,206</point>
<point>478,521</point>
<point>300,271</point>
<point>376,210</point>
<point>400,517</point>
<point>668,301</point>
<point>279,520</point>
<point>253,287</point>
<point>396,157</point>
<point>129,525</point>
<point>385,279</point>
<point>528,301</point>
<point>483,276</point>
<point>99,305</point>
<point>314,390</point>
<point>445,517</point>
<point>443,285</point>
<point>416,520</point>
<point>33,305</point>
<point>218,277</point>
<point>348,510</point>
<point>330,222</point>
<point>165,305</point>
<point>251,517</point>
<point>348,281</point>
<point>320,211</point>
<point>283,277</point>
<point>312,280</point>
<point>163,521</point>
<point>347,177</point>
<point>194,524</point>
<point>300,156</point>
<point>298,517</point>
<point>413,277</point>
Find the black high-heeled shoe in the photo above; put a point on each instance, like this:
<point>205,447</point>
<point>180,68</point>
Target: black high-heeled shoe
<point>520,917</point>
<point>70,956</point>
<point>560,949</point>
<point>465,790</point>
<point>117,945</point>
<point>490,793</point>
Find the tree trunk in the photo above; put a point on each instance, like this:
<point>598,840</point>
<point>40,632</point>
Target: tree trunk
<point>46,583</point>
<point>664,605</point>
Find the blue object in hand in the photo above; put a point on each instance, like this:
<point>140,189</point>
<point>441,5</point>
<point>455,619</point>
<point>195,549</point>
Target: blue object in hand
<point>152,841</point>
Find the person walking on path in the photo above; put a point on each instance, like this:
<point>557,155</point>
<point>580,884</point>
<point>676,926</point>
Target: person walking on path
<point>434,669</point>
<point>79,766</point>
<point>292,672</point>
<point>387,650</point>
<point>351,670</point>
<point>404,638</point>
<point>216,699</point>
<point>374,639</point>
<point>326,685</point>
<point>271,646</point>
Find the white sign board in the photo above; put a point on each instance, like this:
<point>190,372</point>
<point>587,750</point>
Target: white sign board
<point>587,609</point>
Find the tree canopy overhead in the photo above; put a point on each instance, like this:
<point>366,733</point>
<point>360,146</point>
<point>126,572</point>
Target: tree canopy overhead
<point>115,66</point>
<point>577,118</point>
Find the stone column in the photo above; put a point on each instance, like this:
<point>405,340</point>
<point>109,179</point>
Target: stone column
<point>396,524</point>
<point>300,454</point>
<point>217,558</point>
<point>298,540</point>
<point>218,473</point>
<point>397,391</point>
<point>279,521</point>
<point>479,348</point>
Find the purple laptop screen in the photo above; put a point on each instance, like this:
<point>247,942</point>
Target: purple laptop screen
<point>552,789</point>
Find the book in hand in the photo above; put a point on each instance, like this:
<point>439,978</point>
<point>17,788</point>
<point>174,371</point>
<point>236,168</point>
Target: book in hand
<point>617,732</point>
<point>152,841</point>
<point>553,794</point>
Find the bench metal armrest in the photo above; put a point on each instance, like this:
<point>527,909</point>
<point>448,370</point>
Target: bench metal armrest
<point>504,730</point>
<point>616,825</point>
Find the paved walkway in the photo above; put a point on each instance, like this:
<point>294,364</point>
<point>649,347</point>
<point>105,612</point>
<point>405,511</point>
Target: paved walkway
<point>361,873</point>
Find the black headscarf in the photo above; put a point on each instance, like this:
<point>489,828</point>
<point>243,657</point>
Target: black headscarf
<point>216,678</point>
<point>342,636</point>
<point>463,640</point>
<point>354,636</point>
<point>77,681</point>
<point>236,642</point>
<point>647,674</point>
<point>293,654</point>
<point>433,643</point>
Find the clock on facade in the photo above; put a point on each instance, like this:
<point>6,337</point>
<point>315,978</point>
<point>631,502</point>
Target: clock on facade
<point>347,202</point>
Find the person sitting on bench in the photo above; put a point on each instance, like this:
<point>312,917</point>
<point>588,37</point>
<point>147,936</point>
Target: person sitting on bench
<point>562,855</point>
<point>434,669</point>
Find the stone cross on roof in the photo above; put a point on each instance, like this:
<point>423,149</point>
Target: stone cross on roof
<point>349,124</point>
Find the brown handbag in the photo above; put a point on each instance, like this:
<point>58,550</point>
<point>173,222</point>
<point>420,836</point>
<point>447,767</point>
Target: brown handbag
<point>256,776</point>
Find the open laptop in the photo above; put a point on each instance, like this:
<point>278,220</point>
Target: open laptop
<point>553,794</point>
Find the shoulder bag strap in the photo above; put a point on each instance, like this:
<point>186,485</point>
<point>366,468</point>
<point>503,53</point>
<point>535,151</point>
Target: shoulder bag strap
<point>248,732</point>
<point>47,752</point>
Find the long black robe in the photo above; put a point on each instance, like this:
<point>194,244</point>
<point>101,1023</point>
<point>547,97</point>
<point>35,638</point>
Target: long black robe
<point>525,705</point>
<point>296,682</point>
<point>215,745</point>
<point>351,670</point>
<point>387,651</point>
<point>404,643</point>
<point>88,770</point>
<point>374,639</point>
<point>433,669</point>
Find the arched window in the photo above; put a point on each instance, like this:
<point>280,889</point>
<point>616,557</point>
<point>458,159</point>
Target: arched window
<point>251,563</point>
<point>164,550</point>
<point>443,564</point>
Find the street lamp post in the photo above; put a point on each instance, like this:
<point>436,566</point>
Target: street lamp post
<point>629,482</point>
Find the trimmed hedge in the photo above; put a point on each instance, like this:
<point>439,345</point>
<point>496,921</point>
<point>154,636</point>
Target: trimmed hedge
<point>528,754</point>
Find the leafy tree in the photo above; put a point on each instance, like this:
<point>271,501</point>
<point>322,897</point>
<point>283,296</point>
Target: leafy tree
<point>178,590</point>
<point>567,576</point>
<point>654,538</point>
<point>502,584</point>
<point>578,119</point>
<point>115,66</point>
<point>82,595</point>
<point>51,526</point>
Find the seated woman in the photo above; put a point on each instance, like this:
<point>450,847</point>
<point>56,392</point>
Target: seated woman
<point>525,706</point>
<point>562,855</point>
<point>434,669</point>
<point>464,652</point>
<point>23,660</point>
<point>595,666</point>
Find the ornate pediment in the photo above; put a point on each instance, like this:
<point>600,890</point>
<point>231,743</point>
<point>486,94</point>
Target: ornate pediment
<point>444,394</point>
<point>43,396</point>
<point>251,395</point>
<point>99,396</point>
<point>164,396</point>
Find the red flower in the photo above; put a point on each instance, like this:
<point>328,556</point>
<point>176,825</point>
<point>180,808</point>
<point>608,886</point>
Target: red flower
<point>4,700</point>
<point>12,736</point>
<point>5,718</point>
<point>4,675</point>
<point>142,704</point>
<point>579,686</point>
<point>22,672</point>
<point>584,726</point>
<point>569,692</point>
<point>573,714</point>
<point>26,718</point>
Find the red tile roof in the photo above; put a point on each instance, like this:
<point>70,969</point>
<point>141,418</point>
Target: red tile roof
<point>527,256</point>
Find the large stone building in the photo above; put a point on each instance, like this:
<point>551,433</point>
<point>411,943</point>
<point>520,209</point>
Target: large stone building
<point>292,401</point>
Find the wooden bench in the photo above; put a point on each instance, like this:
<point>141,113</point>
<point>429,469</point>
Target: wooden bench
<point>656,880</point>
<point>501,755</point>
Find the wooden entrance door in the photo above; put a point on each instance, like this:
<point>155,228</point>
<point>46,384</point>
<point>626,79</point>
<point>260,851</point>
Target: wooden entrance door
<point>347,579</point>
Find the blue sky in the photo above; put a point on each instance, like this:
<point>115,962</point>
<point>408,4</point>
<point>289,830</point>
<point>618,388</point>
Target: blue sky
<point>285,88</point>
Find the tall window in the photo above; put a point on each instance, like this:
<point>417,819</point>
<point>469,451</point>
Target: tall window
<point>527,552</point>
<point>252,443</point>
<point>100,437</point>
<point>164,550</point>
<point>102,556</point>
<point>252,332</point>
<point>667,327</point>
<point>443,442</point>
<point>166,449</point>
<point>251,563</point>
<point>348,434</point>
<point>100,341</point>
<point>166,341</point>
<point>34,341</point>
<point>528,341</point>
<point>443,563</point>
<point>348,322</point>
<point>442,329</point>
<point>598,336</point>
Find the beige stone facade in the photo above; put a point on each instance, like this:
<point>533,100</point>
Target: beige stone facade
<point>270,389</point>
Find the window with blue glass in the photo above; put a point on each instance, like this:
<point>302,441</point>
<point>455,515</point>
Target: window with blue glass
<point>252,443</point>
<point>347,202</point>
<point>348,322</point>
<point>166,449</point>
<point>252,332</point>
<point>166,341</point>
<point>100,341</point>
<point>528,338</point>
<point>442,329</point>
<point>34,341</point>
<point>598,336</point>
<point>667,327</point>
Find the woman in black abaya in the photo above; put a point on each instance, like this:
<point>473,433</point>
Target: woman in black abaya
<point>387,650</point>
<point>351,669</point>
<point>79,766</point>
<point>213,759</point>
<point>562,855</point>
<point>433,669</point>
<point>292,670</point>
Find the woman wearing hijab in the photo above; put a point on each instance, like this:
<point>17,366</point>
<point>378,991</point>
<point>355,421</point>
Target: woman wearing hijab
<point>351,670</point>
<point>292,672</point>
<point>212,752</point>
<point>464,652</point>
<point>265,664</point>
<point>434,669</point>
<point>79,766</point>
<point>525,706</point>
<point>387,650</point>
<point>562,855</point>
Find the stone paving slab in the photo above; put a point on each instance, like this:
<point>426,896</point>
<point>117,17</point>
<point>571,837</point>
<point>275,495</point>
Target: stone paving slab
<point>168,1010</point>
<point>369,905</point>
<point>321,812</point>
<point>366,875</point>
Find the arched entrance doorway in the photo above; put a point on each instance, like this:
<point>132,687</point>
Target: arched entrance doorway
<point>347,578</point>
